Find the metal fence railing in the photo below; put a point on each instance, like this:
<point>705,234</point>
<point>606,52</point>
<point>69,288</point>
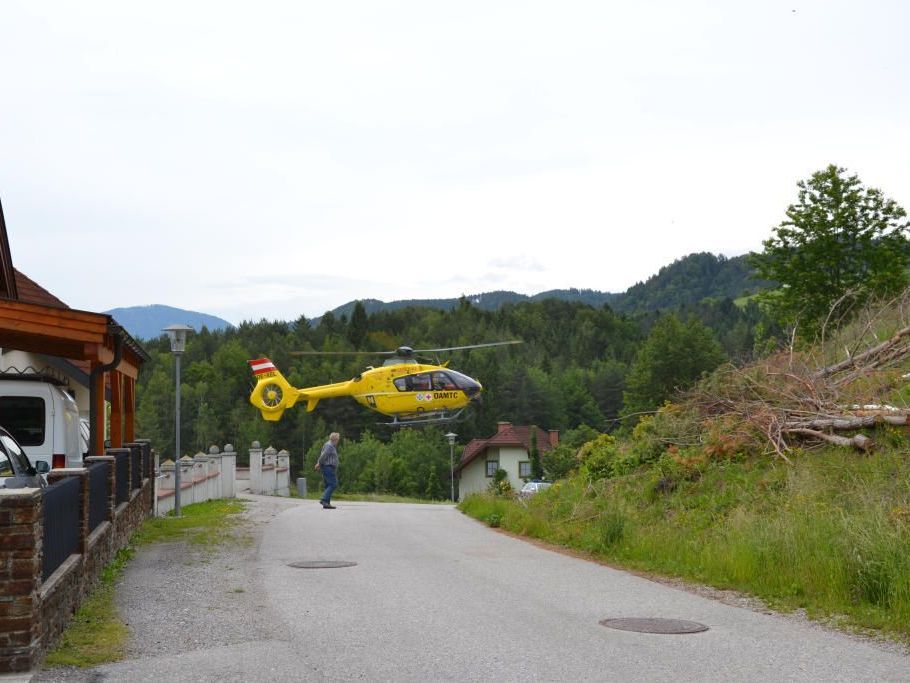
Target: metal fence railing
<point>98,477</point>
<point>136,467</point>
<point>61,522</point>
<point>123,483</point>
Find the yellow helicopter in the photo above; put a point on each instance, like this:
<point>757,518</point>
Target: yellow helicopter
<point>408,391</point>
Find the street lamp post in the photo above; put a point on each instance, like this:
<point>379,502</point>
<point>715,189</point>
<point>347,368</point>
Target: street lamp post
<point>451,437</point>
<point>177,335</point>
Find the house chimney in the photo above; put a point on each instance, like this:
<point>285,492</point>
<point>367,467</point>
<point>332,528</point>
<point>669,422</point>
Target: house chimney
<point>554,437</point>
<point>502,426</point>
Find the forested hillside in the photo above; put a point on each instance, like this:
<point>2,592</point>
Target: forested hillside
<point>572,368</point>
<point>685,282</point>
<point>689,281</point>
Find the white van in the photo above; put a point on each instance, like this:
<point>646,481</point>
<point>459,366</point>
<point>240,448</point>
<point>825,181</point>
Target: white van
<point>43,418</point>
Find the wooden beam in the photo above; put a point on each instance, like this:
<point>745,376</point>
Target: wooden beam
<point>116,410</point>
<point>99,353</point>
<point>97,445</point>
<point>129,409</point>
<point>40,344</point>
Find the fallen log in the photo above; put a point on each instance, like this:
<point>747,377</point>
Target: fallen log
<point>842,424</point>
<point>859,441</point>
<point>862,357</point>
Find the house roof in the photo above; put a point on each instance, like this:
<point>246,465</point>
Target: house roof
<point>508,435</point>
<point>31,292</point>
<point>7,278</point>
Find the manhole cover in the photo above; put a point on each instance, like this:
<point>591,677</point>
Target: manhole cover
<point>322,564</point>
<point>655,625</point>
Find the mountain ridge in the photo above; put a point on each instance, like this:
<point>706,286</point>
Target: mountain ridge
<point>685,282</point>
<point>148,322</point>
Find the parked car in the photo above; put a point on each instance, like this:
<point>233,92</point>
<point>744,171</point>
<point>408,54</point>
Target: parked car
<point>85,431</point>
<point>42,417</point>
<point>16,471</point>
<point>532,487</point>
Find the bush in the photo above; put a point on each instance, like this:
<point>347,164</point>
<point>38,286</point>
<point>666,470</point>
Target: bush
<point>602,458</point>
<point>560,462</point>
<point>672,424</point>
<point>500,485</point>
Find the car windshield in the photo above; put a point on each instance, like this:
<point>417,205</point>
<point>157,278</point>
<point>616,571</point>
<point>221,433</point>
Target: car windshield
<point>6,467</point>
<point>16,460</point>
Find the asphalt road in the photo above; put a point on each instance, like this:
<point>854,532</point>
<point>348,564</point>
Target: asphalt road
<point>436,596</point>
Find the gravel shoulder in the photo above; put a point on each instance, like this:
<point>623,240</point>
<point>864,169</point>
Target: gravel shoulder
<point>182,601</point>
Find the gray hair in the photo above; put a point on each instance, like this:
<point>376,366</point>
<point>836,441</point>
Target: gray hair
<point>334,436</point>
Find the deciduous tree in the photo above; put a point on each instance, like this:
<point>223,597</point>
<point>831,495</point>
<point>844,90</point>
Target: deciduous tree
<point>841,243</point>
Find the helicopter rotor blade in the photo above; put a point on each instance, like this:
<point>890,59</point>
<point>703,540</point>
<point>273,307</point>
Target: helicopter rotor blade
<point>402,351</point>
<point>341,353</point>
<point>470,346</point>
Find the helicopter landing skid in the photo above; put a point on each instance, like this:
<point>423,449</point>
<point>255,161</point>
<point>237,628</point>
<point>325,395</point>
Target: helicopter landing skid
<point>424,419</point>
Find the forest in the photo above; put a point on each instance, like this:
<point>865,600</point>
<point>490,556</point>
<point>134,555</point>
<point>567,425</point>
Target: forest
<point>581,369</point>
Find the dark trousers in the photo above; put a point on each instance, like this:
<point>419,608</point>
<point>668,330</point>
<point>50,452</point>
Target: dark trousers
<point>331,483</point>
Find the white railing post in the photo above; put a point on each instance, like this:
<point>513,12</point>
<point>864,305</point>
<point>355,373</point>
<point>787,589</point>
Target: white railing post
<point>256,468</point>
<point>228,472</point>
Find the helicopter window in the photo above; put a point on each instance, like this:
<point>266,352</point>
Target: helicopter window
<point>462,381</point>
<point>442,382</point>
<point>419,382</point>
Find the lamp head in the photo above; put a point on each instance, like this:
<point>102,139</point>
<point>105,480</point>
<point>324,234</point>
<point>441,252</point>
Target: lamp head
<point>451,437</point>
<point>177,335</point>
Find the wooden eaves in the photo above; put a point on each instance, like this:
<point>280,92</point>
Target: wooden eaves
<point>82,335</point>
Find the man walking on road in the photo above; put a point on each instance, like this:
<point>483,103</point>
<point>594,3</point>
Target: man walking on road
<point>328,463</point>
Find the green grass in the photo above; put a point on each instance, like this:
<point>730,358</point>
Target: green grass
<point>200,524</point>
<point>97,634</point>
<point>829,534</point>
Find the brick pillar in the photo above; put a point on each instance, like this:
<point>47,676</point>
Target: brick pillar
<point>148,465</point>
<point>135,462</point>
<point>123,454</point>
<point>21,537</point>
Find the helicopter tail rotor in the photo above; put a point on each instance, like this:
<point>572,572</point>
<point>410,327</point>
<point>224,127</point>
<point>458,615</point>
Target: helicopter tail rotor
<point>272,394</point>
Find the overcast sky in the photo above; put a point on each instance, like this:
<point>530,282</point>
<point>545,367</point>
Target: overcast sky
<point>277,159</point>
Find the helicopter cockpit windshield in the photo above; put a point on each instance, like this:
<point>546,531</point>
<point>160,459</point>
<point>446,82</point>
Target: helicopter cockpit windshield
<point>448,380</point>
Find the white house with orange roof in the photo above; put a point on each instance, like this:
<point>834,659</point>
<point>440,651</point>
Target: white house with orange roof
<point>508,449</point>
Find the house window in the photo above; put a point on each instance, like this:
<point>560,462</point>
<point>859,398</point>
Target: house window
<point>492,466</point>
<point>524,469</point>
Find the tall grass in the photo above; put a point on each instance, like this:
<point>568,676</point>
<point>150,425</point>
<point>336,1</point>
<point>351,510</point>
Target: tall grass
<point>829,534</point>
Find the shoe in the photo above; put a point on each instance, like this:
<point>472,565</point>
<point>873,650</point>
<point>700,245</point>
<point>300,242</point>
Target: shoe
<point>323,503</point>
<point>328,506</point>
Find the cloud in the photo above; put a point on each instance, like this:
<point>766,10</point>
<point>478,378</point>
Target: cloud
<point>520,262</point>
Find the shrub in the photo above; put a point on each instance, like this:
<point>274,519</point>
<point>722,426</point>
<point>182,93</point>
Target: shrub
<point>560,462</point>
<point>500,485</point>
<point>672,425</point>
